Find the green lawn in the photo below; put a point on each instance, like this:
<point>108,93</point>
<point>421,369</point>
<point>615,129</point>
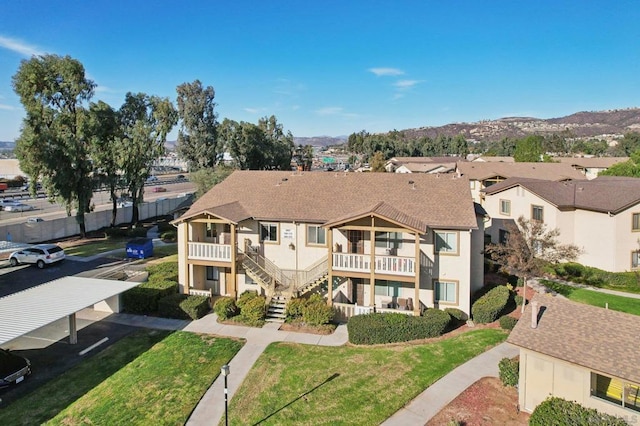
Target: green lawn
<point>102,246</point>
<point>151,377</point>
<point>595,298</point>
<point>293,384</point>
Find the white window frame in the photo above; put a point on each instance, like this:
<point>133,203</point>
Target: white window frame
<point>273,231</point>
<point>437,293</point>
<point>450,239</point>
<point>316,231</point>
<point>505,211</point>
<point>635,222</point>
<point>533,209</point>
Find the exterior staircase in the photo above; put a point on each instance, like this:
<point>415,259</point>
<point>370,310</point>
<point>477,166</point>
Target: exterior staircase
<point>276,309</point>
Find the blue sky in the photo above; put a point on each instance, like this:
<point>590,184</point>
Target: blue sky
<point>337,67</point>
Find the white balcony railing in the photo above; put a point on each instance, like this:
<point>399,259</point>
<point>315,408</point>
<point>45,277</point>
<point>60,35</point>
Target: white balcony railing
<point>209,251</point>
<point>392,265</point>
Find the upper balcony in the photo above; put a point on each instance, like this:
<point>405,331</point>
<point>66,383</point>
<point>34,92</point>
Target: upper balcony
<point>391,265</point>
<point>209,251</point>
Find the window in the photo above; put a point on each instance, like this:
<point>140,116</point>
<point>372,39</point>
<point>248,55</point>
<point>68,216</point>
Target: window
<point>503,236</point>
<point>316,235</point>
<point>387,288</point>
<point>537,213</point>
<point>392,240</point>
<point>210,230</point>
<point>616,391</point>
<point>269,232</point>
<point>446,242</point>
<point>213,274</point>
<point>446,291</point>
<point>505,207</point>
<point>635,260</point>
<point>635,222</point>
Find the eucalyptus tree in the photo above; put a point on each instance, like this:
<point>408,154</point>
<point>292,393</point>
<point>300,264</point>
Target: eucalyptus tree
<point>105,136</point>
<point>145,122</point>
<point>197,137</point>
<point>51,146</point>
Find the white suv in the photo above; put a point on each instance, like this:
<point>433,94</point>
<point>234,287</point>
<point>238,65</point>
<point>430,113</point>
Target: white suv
<point>41,255</point>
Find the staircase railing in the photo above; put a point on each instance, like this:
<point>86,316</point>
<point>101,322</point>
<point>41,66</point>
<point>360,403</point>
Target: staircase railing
<point>250,267</point>
<point>315,272</point>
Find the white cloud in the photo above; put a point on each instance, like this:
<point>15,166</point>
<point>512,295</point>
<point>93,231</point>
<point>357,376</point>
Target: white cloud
<point>406,84</point>
<point>8,107</point>
<point>254,110</point>
<point>19,46</point>
<point>386,71</point>
<point>329,111</point>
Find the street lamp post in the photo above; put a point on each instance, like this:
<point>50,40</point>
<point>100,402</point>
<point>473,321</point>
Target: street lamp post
<point>225,371</point>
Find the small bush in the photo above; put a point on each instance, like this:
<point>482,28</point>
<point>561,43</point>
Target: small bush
<point>517,299</point>
<point>183,306</point>
<point>574,269</point>
<point>225,308</point>
<point>253,310</point>
<point>507,322</point>
<point>169,236</point>
<point>295,308</point>
<point>557,411</point>
<point>488,307</point>
<point>165,226</point>
<point>144,298</point>
<point>509,371</point>
<point>316,311</point>
<point>456,314</point>
<point>245,297</point>
<point>163,271</point>
<point>378,328</point>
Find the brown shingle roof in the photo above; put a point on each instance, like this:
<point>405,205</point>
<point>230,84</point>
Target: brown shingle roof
<point>417,160</point>
<point>596,338</point>
<point>422,200</point>
<point>546,171</point>
<point>604,194</point>
<point>430,167</point>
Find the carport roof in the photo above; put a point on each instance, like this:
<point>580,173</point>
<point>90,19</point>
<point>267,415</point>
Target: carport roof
<point>28,310</point>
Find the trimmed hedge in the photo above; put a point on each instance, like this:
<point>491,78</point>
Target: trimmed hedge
<point>558,411</point>
<point>295,308</point>
<point>507,322</point>
<point>144,298</point>
<point>509,371</point>
<point>225,308</point>
<point>253,310</point>
<point>245,297</point>
<point>313,311</point>
<point>183,306</point>
<point>163,271</point>
<point>456,314</point>
<point>488,308</point>
<point>379,328</point>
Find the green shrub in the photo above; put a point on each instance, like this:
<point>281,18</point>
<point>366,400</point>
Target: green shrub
<point>144,298</point>
<point>183,306</point>
<point>574,269</point>
<point>456,314</point>
<point>245,297</point>
<point>225,308</point>
<point>169,235</point>
<point>517,299</point>
<point>165,226</point>
<point>488,307</point>
<point>253,310</point>
<point>378,328</point>
<point>295,308</point>
<point>507,322</point>
<point>163,271</point>
<point>316,311</point>
<point>557,411</point>
<point>509,371</point>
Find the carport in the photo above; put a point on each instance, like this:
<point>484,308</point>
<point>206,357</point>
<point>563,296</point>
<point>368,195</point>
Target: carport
<point>29,310</point>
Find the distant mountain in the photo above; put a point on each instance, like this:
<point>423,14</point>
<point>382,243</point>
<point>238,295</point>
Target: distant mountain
<point>584,124</point>
<point>320,140</point>
<point>7,145</point>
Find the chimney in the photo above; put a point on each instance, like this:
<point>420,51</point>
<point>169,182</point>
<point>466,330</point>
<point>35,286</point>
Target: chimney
<point>534,314</point>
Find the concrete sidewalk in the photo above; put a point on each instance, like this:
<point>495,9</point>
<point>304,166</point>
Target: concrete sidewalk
<point>438,395</point>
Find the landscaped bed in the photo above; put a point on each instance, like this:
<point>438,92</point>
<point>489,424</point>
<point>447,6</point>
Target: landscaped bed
<point>595,298</point>
<point>141,379</point>
<point>299,384</point>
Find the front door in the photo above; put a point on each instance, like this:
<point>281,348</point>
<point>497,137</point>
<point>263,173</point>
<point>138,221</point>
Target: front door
<point>356,242</point>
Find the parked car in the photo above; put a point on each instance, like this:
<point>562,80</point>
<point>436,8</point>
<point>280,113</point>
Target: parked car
<point>40,255</point>
<point>181,177</point>
<point>13,368</point>
<point>8,202</point>
<point>123,203</point>
<point>159,189</point>
<point>18,207</point>
<point>34,219</point>
<point>152,178</point>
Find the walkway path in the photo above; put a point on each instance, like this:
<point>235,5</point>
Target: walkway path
<point>540,288</point>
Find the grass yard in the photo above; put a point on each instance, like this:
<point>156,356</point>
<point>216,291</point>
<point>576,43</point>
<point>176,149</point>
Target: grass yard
<point>595,298</point>
<point>141,380</point>
<point>293,384</point>
<point>95,247</point>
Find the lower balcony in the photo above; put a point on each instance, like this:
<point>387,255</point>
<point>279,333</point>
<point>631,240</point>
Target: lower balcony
<point>209,251</point>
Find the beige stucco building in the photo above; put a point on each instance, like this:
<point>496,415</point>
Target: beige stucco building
<point>600,216</point>
<point>580,353</point>
<point>383,240</point>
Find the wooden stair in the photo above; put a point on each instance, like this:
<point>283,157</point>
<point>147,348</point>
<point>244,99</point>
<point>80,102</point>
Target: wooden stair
<point>276,312</point>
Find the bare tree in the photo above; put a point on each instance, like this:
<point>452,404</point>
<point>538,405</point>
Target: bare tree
<point>529,246</point>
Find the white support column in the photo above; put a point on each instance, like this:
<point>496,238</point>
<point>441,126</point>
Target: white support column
<point>73,329</point>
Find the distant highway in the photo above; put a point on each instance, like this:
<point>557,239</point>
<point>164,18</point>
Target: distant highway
<point>46,210</point>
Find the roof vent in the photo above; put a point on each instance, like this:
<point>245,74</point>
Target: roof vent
<point>284,179</point>
<point>580,188</point>
<point>534,314</point>
<point>411,182</point>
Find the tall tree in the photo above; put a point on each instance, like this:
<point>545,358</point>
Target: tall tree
<point>529,149</point>
<point>51,147</point>
<point>528,247</point>
<point>197,137</point>
<point>279,145</point>
<point>378,162</point>
<point>629,168</point>
<point>146,121</point>
<point>304,157</point>
<point>103,131</point>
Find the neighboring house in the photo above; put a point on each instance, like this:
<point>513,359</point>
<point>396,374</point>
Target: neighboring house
<point>380,240</point>
<point>601,216</point>
<point>482,175</point>
<point>590,167</point>
<point>580,353</point>
<point>422,164</point>
<point>496,159</point>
